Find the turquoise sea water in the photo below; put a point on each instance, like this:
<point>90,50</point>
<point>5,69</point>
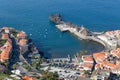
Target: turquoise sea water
<point>32,16</point>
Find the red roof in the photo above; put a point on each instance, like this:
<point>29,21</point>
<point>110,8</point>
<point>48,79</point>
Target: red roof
<point>22,42</point>
<point>27,78</point>
<point>87,58</point>
<point>100,56</point>
<point>5,36</point>
<point>21,34</point>
<point>6,52</point>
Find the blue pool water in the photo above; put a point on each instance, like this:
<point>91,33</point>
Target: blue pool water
<point>32,16</point>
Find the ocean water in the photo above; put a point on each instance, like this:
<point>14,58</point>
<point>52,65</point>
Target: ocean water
<point>32,16</point>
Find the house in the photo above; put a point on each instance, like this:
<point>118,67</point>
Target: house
<point>6,51</point>
<point>100,75</point>
<point>116,52</point>
<point>107,65</point>
<point>22,42</point>
<point>27,78</point>
<point>97,66</point>
<point>17,72</point>
<point>23,45</point>
<point>6,29</point>
<point>21,35</point>
<point>116,69</point>
<point>85,66</point>
<point>87,59</point>
<point>86,62</point>
<point>5,36</point>
<point>100,56</point>
<point>15,77</point>
<point>82,75</point>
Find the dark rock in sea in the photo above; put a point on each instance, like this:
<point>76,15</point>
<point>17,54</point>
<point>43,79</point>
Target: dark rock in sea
<point>41,53</point>
<point>56,18</point>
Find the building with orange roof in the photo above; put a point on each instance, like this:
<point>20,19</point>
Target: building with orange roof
<point>100,56</point>
<point>111,37</point>
<point>115,32</point>
<point>111,67</point>
<point>6,52</point>
<point>116,52</point>
<point>97,66</point>
<point>21,35</point>
<point>5,36</point>
<point>116,69</point>
<point>23,45</point>
<point>118,36</point>
<point>107,65</point>
<point>109,33</point>
<point>82,75</point>
<point>6,29</point>
<point>86,63</point>
<point>85,66</point>
<point>27,78</point>
<point>23,42</point>
<point>87,59</point>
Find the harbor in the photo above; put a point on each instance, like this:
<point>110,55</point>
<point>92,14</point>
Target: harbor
<point>108,41</point>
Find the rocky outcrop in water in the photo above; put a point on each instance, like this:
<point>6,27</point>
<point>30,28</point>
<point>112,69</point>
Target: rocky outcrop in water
<point>80,31</point>
<point>56,18</point>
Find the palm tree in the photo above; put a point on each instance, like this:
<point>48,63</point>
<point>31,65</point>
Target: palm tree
<point>80,54</point>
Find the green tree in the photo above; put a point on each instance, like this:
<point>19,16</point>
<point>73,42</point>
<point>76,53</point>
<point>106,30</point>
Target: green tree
<point>117,46</point>
<point>6,63</point>
<point>55,75</point>
<point>51,78</point>
<point>87,72</point>
<point>46,75</point>
<point>80,54</point>
<point>14,66</point>
<point>49,68</point>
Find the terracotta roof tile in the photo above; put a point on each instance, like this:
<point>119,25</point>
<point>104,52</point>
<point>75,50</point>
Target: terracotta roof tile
<point>5,36</point>
<point>86,65</point>
<point>87,58</point>
<point>116,52</point>
<point>107,64</point>
<point>100,56</point>
<point>6,52</point>
<point>27,78</point>
<point>97,66</point>
<point>22,42</point>
<point>21,34</point>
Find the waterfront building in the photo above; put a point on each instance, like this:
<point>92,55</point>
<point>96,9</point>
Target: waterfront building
<point>116,52</point>
<point>100,56</point>
<point>5,36</point>
<point>6,29</point>
<point>86,63</point>
<point>21,35</point>
<point>87,59</point>
<point>23,45</point>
